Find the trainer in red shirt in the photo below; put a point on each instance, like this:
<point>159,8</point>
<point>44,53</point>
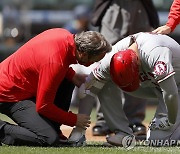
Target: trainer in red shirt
<point>38,68</point>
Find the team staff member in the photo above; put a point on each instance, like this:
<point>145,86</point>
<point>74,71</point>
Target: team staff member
<point>36,84</point>
<point>144,65</point>
<point>173,19</point>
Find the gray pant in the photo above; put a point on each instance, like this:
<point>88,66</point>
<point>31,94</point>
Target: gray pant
<point>174,132</point>
<point>33,129</point>
<point>112,107</point>
<point>117,121</point>
<point>171,134</point>
<point>125,17</point>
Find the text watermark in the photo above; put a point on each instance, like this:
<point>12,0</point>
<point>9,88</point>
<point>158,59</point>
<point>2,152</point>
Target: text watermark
<point>129,142</point>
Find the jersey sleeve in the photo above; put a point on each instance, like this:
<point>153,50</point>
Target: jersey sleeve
<point>50,77</point>
<point>101,72</point>
<point>161,61</point>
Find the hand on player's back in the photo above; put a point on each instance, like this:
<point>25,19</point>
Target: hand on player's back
<point>162,30</point>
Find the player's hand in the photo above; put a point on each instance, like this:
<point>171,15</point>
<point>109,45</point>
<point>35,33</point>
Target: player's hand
<point>160,123</point>
<point>162,30</point>
<point>83,121</point>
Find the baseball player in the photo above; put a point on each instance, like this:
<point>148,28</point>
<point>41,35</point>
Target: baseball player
<point>143,65</point>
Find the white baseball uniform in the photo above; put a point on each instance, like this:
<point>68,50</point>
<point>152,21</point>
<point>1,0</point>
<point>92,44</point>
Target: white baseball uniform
<point>159,76</point>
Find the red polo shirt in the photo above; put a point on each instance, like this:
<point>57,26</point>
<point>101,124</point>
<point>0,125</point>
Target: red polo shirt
<point>37,69</point>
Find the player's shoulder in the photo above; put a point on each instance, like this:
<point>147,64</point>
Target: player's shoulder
<point>121,45</point>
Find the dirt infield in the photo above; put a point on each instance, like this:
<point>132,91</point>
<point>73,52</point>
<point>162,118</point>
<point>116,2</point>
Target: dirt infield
<point>67,130</point>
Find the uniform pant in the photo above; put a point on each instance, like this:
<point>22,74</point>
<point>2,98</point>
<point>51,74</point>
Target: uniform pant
<point>171,134</point>
<point>133,107</point>
<point>117,121</point>
<point>112,108</point>
<point>156,135</point>
<point>33,129</point>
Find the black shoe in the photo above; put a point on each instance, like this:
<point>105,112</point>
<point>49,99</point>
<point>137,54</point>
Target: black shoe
<point>101,129</point>
<point>139,131</point>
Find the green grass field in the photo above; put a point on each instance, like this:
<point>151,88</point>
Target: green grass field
<point>92,147</point>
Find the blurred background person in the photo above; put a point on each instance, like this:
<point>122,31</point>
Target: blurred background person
<point>116,20</point>
<point>81,19</point>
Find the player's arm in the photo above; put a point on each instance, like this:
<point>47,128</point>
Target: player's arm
<point>97,78</point>
<point>91,86</point>
<point>76,78</point>
<point>171,98</point>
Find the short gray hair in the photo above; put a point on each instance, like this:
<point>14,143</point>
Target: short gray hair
<point>92,42</point>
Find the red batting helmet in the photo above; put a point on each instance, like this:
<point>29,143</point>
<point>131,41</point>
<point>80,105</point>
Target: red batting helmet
<point>124,70</point>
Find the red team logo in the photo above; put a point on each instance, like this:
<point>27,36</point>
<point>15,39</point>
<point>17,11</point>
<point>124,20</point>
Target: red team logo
<point>160,68</point>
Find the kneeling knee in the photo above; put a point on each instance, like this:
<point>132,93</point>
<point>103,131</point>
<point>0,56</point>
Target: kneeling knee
<point>49,140</point>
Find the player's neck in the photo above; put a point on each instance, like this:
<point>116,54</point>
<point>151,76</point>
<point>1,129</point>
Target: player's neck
<point>134,47</point>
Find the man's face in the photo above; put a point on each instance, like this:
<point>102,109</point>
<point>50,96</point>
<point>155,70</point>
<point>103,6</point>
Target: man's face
<point>86,60</point>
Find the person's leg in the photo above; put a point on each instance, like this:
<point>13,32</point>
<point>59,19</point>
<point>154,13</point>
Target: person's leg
<point>114,115</point>
<point>174,132</point>
<point>113,109</point>
<point>161,135</point>
<point>134,109</point>
<point>77,136</point>
<point>100,128</point>
<point>31,128</point>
